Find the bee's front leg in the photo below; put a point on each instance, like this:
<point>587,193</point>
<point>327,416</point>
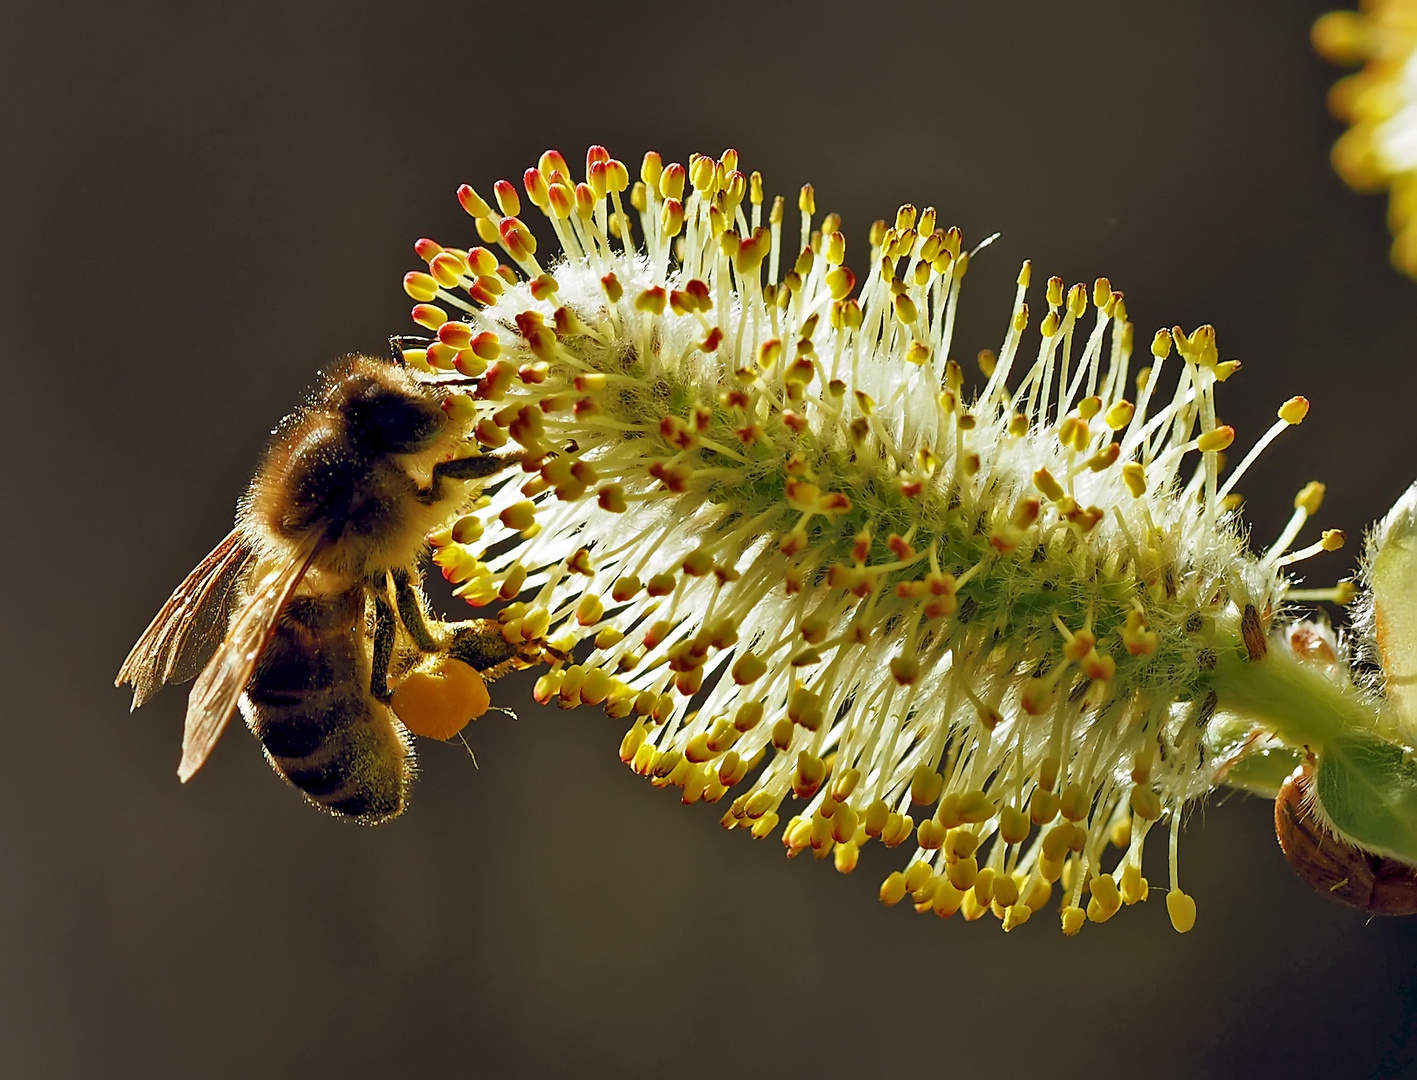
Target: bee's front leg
<point>383,649</point>
<point>410,610</point>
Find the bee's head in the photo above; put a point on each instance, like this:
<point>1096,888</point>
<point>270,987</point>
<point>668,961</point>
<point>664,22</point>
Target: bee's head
<point>387,413</point>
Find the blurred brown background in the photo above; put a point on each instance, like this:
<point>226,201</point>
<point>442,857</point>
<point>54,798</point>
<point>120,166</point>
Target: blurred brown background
<point>201,204</point>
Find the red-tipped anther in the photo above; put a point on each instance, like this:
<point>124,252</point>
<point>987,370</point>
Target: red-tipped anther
<point>585,201</point>
<point>520,243</point>
<point>596,177</point>
<point>553,167</point>
<point>562,199</point>
<point>472,202</point>
<point>507,198</point>
<point>481,261</point>
<point>671,181</point>
<point>425,249</point>
<point>594,155</point>
<point>447,268</point>
<point>486,345</point>
<point>429,316</point>
<point>455,335</point>
<point>617,176</point>
<point>420,286</point>
<point>535,185</point>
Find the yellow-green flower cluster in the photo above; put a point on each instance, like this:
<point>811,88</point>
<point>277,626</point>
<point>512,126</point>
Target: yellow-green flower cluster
<point>753,507</point>
<point>1379,150</point>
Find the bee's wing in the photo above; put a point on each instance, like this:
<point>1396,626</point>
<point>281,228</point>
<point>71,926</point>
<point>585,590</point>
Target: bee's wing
<point>183,634</point>
<point>218,688</point>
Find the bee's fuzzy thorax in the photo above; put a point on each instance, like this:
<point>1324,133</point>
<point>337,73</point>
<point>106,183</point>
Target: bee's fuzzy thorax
<point>322,473</point>
<point>819,577</point>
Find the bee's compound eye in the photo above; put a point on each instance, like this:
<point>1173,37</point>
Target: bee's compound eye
<point>1334,867</point>
<point>439,699</point>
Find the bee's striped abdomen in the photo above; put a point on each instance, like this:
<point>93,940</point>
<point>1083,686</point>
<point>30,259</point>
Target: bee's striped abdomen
<point>309,704</point>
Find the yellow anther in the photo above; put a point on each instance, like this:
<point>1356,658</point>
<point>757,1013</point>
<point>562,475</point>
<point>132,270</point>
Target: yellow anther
<point>984,885</point>
<point>782,734</point>
<point>893,888</point>
<point>748,668</point>
<point>1121,834</point>
<point>1014,825</point>
<point>947,898</point>
<point>1058,841</point>
<point>1133,885</point>
<point>1073,918</point>
<point>925,785</point>
<point>962,873</point>
<point>1310,498</point>
<point>1217,439</point>
<point>1038,895</point>
<point>758,804</point>
<point>916,875</point>
<point>905,669</point>
<point>1182,910</point>
<point>1043,806</point>
<point>1004,891</point>
<point>975,807</point>
<point>1294,410</point>
<point>763,827</point>
<point>897,829</point>
<point>1332,539</point>
<point>844,783</point>
<point>808,777</point>
<point>959,844</point>
<point>1043,480</point>
<point>1076,802</point>
<point>748,716</point>
<point>1106,900</point>
<point>947,813</point>
<point>804,707</point>
<point>731,769</point>
<point>1145,802</point>
<point>905,309</point>
<point>520,516</point>
<point>1134,476</point>
<point>877,815</point>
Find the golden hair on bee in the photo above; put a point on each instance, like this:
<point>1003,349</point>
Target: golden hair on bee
<point>317,591</point>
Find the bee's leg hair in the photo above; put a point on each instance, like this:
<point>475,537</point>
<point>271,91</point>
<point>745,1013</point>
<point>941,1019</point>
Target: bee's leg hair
<point>411,612</point>
<point>383,648</point>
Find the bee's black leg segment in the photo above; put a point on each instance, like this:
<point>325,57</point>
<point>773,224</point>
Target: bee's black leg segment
<point>398,342</point>
<point>383,648</point>
<point>411,612</point>
<point>468,468</point>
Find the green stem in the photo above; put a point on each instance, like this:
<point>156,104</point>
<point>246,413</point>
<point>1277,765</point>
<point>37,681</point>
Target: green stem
<point>1365,774</point>
<point>1296,700</point>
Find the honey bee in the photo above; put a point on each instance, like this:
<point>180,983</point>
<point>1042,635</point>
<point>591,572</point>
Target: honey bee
<point>317,589</point>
